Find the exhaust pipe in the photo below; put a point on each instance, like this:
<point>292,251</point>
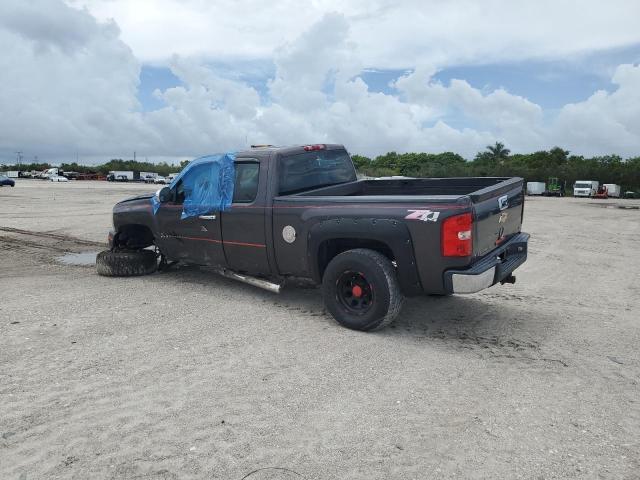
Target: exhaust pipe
<point>509,279</point>
<point>256,282</point>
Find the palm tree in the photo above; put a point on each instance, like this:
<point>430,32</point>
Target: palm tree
<point>498,153</point>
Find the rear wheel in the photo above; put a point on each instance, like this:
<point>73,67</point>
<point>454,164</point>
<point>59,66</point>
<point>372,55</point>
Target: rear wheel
<point>361,290</point>
<point>127,263</point>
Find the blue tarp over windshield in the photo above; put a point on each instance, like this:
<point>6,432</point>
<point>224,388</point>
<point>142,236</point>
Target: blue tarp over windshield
<point>207,183</point>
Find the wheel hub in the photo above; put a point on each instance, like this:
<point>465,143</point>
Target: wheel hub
<point>354,292</point>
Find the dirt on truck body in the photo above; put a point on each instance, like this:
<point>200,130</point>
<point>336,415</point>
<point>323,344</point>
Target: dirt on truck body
<point>300,212</point>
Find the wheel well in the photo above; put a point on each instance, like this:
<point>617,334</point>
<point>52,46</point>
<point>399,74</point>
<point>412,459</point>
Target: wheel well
<point>330,248</point>
<point>133,236</point>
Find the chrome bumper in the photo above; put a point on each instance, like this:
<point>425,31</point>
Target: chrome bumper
<point>465,283</point>
<point>490,269</point>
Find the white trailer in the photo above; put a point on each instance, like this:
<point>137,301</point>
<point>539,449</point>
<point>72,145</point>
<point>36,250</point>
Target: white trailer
<point>11,174</point>
<point>536,188</point>
<point>613,190</point>
<point>148,177</point>
<point>585,188</point>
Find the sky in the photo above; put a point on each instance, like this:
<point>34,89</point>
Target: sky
<point>175,79</point>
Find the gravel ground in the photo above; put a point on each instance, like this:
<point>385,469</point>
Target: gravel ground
<point>186,374</point>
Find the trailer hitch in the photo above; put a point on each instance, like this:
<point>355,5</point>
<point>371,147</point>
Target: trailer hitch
<point>508,279</point>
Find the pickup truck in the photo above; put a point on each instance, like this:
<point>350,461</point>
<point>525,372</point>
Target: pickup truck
<point>301,212</point>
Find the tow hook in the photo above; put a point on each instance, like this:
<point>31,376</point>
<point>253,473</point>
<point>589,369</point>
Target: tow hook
<point>510,279</point>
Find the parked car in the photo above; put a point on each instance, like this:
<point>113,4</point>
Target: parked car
<point>58,178</point>
<point>6,181</point>
<point>301,212</point>
<point>160,180</point>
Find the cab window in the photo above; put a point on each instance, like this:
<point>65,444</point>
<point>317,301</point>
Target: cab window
<point>198,175</point>
<point>246,184</point>
<point>179,195</point>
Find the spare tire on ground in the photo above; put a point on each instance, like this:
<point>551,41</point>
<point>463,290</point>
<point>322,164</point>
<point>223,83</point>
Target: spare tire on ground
<point>125,263</point>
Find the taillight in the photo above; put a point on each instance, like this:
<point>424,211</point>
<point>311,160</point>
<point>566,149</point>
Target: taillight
<point>457,236</point>
<point>310,148</point>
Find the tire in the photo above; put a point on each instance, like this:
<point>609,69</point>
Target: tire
<point>377,301</point>
<point>126,263</point>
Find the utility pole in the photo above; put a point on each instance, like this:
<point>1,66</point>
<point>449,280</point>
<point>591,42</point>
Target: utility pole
<point>134,156</point>
<point>19,157</point>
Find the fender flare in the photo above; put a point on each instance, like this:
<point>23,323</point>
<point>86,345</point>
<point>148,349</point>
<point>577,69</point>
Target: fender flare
<point>392,233</point>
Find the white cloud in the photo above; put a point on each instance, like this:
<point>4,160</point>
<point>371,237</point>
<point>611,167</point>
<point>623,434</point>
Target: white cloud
<point>65,91</point>
<point>386,33</point>
<point>504,114</point>
<point>606,122</point>
<point>66,81</point>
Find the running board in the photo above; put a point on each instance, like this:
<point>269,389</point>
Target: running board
<point>256,282</point>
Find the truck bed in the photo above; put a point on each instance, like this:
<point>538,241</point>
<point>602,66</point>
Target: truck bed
<point>496,204</point>
<point>477,188</point>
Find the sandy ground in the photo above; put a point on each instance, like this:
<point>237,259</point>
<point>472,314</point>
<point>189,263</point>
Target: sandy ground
<point>188,375</point>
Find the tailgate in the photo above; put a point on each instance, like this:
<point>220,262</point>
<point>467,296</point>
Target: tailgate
<point>498,214</point>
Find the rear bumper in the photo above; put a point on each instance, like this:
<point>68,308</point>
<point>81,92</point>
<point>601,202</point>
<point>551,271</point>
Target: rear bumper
<point>489,270</point>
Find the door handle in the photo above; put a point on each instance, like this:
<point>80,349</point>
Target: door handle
<point>207,217</point>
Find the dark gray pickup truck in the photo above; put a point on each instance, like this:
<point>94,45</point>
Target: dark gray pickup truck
<point>300,212</point>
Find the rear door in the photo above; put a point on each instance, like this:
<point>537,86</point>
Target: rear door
<point>498,215</point>
<point>243,225</point>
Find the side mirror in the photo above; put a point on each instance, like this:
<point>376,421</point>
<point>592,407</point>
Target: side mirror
<point>164,195</point>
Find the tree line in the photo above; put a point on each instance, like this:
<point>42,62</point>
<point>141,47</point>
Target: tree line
<point>162,168</point>
<point>498,161</point>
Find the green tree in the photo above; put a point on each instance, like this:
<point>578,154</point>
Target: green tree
<point>360,161</point>
<point>498,153</point>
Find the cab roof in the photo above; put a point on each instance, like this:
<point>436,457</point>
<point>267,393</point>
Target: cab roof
<point>267,150</point>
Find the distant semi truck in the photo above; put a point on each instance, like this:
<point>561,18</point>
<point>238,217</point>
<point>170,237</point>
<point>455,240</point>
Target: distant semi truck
<point>585,188</point>
<point>49,172</point>
<point>131,176</point>
<point>120,176</point>
<point>536,188</point>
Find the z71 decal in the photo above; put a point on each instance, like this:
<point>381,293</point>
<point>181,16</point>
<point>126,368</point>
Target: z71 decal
<point>423,215</point>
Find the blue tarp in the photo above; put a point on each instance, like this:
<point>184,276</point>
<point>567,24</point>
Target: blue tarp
<point>207,183</point>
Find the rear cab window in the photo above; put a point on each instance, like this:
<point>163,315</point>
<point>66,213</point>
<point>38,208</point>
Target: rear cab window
<point>315,169</point>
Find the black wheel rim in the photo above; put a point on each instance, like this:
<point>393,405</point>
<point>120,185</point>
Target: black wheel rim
<point>354,292</point>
